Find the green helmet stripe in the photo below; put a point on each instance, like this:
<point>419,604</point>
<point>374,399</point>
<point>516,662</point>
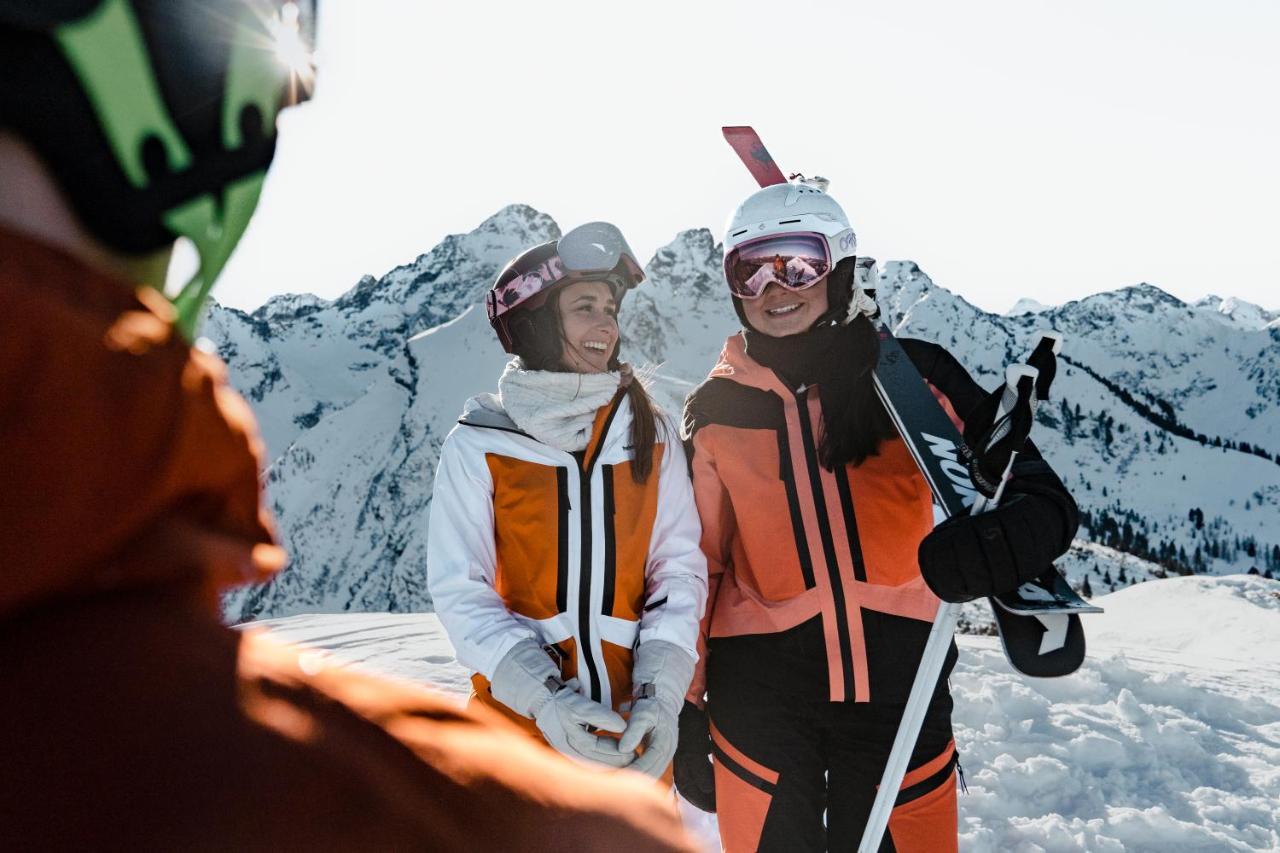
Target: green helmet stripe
<point>214,238</point>
<point>122,86</point>
<point>254,76</point>
<point>109,54</point>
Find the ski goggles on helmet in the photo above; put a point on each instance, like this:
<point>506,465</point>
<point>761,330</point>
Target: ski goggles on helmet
<point>797,260</point>
<point>596,251</point>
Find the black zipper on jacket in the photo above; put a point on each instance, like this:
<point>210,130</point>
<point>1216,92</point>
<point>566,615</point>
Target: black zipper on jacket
<point>584,567</point>
<point>610,543</point>
<point>562,538</point>
<point>828,542</point>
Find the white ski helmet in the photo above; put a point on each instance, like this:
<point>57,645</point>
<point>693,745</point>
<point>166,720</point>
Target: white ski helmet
<point>801,205</point>
<point>801,208</point>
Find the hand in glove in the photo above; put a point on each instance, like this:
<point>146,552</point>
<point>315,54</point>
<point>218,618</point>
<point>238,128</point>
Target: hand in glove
<point>659,678</point>
<point>970,556</point>
<point>695,777</point>
<point>527,682</point>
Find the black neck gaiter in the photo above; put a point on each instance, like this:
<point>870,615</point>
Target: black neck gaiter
<point>838,359</point>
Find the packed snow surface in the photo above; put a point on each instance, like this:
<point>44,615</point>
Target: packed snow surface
<point>1167,739</point>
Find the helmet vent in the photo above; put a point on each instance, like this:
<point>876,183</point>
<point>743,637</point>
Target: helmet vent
<point>736,233</point>
<point>787,221</point>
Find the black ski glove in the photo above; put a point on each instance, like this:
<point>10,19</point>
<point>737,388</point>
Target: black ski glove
<point>694,777</point>
<point>971,556</point>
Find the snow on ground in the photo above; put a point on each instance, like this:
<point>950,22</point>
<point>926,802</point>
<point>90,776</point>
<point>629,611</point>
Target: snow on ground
<point>407,646</point>
<point>1167,739</point>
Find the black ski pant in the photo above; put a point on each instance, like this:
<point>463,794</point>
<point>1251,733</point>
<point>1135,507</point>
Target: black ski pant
<point>797,772</point>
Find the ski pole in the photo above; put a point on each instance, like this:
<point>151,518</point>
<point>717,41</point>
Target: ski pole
<point>1020,381</point>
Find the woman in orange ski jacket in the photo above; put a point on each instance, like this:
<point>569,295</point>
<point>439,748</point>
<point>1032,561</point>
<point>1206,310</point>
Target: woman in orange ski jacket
<point>821,561</point>
<point>564,556</point>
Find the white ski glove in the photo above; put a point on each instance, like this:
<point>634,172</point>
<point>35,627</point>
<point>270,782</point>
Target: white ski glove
<point>527,682</point>
<point>659,678</point>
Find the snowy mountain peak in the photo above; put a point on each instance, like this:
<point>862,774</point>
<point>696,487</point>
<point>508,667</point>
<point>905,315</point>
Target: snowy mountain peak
<point>1237,312</point>
<point>903,283</point>
<point>290,306</point>
<point>521,221</point>
<point>1026,305</point>
<point>1148,295</point>
<point>685,263</point>
<point>440,284</point>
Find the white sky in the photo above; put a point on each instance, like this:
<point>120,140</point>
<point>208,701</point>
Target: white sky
<point>1010,147</point>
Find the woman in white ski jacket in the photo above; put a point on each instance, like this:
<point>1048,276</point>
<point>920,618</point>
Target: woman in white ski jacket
<point>563,556</point>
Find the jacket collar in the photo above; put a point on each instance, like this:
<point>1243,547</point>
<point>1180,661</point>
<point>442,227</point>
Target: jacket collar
<point>734,364</point>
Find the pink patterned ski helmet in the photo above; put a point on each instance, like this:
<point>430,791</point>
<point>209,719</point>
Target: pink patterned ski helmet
<point>596,251</point>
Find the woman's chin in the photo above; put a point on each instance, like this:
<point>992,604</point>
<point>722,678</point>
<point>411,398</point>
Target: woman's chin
<point>588,364</point>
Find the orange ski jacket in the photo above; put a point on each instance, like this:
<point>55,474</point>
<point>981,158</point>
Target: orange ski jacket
<point>787,540</point>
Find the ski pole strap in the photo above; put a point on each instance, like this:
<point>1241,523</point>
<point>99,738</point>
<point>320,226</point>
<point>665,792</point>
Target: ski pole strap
<point>1007,414</point>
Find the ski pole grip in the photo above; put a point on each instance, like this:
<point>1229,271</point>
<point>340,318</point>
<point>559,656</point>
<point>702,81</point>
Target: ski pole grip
<point>1053,337</point>
<point>1015,373</point>
<point>1044,357</point>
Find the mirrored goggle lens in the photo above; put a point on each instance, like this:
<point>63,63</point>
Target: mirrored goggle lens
<point>594,247</point>
<point>793,261</point>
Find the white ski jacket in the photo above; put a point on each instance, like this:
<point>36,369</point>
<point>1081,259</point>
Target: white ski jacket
<point>527,541</point>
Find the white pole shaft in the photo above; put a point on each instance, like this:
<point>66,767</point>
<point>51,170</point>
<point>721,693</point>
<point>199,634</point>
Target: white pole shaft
<point>904,743</point>
<point>935,655</point>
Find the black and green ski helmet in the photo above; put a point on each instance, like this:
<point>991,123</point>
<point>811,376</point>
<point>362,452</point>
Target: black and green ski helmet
<point>157,118</point>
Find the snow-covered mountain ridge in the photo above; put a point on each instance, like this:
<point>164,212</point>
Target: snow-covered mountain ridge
<point>356,394</point>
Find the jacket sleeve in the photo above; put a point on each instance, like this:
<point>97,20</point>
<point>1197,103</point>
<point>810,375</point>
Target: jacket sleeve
<point>462,560</point>
<point>716,515</point>
<point>676,573</point>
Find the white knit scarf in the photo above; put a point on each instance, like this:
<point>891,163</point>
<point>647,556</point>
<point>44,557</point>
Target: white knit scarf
<point>554,407</point>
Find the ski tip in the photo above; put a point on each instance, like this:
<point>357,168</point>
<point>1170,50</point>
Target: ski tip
<point>746,142</point>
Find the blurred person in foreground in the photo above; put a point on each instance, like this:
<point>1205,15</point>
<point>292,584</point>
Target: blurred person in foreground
<point>132,717</point>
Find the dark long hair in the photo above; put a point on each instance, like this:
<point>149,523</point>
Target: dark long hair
<point>537,336</point>
<point>854,421</point>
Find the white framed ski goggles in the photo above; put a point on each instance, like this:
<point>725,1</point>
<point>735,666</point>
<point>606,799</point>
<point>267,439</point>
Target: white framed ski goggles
<point>797,261</point>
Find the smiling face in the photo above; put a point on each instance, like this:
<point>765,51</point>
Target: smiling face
<point>780,312</point>
<point>589,321</point>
